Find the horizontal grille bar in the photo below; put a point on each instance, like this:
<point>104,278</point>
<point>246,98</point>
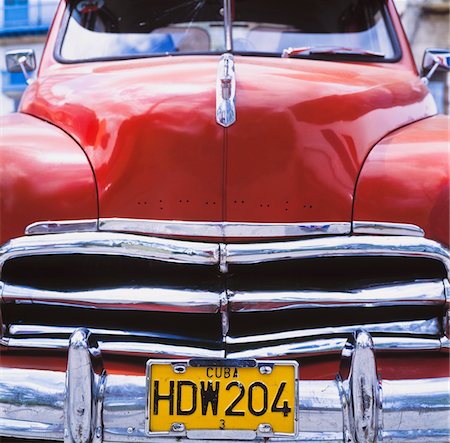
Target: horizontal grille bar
<point>416,293</point>
<point>421,327</point>
<point>131,298</point>
<point>337,247</point>
<point>107,243</point>
<point>320,346</point>
<point>118,347</point>
<point>177,251</point>
<point>327,346</point>
<point>188,300</point>
<point>430,327</point>
<point>44,331</point>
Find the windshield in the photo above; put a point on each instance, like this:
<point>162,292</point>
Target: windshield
<point>99,29</point>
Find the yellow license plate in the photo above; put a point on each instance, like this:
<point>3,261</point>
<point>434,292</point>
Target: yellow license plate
<point>222,395</point>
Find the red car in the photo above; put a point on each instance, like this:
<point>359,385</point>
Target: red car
<point>225,220</point>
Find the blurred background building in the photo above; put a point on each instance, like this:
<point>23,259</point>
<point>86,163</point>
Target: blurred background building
<point>24,24</point>
<point>427,25</point>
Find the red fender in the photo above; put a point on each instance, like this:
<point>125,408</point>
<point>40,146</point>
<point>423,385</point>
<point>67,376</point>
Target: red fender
<point>406,179</point>
<point>44,175</point>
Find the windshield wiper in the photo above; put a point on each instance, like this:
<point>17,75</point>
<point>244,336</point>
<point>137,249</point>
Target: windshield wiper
<point>339,51</point>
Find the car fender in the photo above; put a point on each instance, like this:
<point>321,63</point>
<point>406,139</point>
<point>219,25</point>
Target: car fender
<point>45,175</point>
<point>406,179</point>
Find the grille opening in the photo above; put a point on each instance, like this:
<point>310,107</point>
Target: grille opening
<point>333,273</point>
<point>87,272</point>
<point>84,272</point>
<point>254,323</point>
<point>165,326</point>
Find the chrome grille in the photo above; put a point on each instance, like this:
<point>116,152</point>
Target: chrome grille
<point>141,295</point>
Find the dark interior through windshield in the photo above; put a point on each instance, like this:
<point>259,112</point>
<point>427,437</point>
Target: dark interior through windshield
<point>97,29</point>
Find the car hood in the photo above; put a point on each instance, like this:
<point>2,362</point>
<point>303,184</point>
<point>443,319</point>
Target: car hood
<point>303,131</point>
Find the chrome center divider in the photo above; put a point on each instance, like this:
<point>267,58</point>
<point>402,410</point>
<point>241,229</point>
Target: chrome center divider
<point>85,404</point>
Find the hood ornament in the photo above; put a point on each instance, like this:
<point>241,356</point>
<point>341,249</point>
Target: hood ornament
<point>226,92</point>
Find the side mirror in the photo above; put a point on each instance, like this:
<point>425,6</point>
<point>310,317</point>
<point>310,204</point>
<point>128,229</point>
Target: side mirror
<point>21,60</point>
<point>434,59</point>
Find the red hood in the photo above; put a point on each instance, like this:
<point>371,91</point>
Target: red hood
<point>303,131</point>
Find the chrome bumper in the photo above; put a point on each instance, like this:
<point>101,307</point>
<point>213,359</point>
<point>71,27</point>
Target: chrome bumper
<point>85,404</point>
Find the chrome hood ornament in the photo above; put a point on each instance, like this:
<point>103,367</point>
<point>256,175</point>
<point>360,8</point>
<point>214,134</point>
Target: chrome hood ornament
<point>226,91</point>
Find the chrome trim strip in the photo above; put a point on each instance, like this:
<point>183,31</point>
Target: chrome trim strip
<point>152,248</point>
<point>395,246</point>
<point>32,405</point>
<point>226,91</point>
<point>222,229</point>
<point>194,229</point>
<point>61,227</point>
<point>116,347</point>
<point>126,298</point>
<point>385,228</point>
<point>416,293</point>
<point>430,327</point>
<point>334,345</point>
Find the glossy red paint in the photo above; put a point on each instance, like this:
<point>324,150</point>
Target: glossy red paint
<point>406,179</point>
<point>149,130</point>
<point>44,176</point>
<point>292,156</point>
<point>303,130</point>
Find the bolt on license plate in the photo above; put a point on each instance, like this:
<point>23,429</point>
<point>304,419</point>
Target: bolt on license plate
<point>243,398</point>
